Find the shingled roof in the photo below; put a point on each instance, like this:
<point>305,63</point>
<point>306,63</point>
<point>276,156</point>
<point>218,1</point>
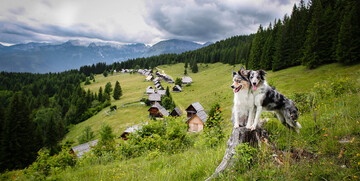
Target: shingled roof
<point>79,150</point>
<point>161,92</point>
<point>155,97</point>
<point>197,106</point>
<point>177,88</point>
<point>176,112</point>
<point>202,115</point>
<point>186,80</point>
<point>162,110</point>
<point>150,90</point>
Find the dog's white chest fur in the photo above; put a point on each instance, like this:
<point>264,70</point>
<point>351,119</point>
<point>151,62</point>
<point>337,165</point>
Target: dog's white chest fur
<point>243,101</point>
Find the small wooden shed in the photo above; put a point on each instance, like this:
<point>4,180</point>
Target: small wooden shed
<point>186,80</point>
<point>176,88</point>
<point>150,90</point>
<point>176,112</point>
<point>196,123</point>
<point>130,130</point>
<point>193,109</point>
<point>154,98</point>
<point>80,150</point>
<point>157,111</point>
<point>161,92</point>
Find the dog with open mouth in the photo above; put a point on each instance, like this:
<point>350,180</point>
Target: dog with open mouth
<point>267,98</point>
<point>243,98</point>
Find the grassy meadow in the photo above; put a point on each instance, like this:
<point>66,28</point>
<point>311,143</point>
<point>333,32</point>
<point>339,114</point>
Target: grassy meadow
<point>327,147</point>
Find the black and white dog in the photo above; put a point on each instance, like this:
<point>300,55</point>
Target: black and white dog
<point>269,99</point>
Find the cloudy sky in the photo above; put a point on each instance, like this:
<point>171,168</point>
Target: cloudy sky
<point>134,21</point>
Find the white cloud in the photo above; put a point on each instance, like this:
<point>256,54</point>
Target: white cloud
<point>141,21</point>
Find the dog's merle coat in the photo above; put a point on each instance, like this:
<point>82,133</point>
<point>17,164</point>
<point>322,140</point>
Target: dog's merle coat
<point>269,99</point>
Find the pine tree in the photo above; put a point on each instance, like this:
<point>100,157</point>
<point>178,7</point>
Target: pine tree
<point>311,57</point>
<point>105,73</point>
<point>194,67</point>
<point>108,88</point>
<point>268,49</point>
<point>106,133</point>
<point>178,81</point>
<point>256,50</point>
<point>18,149</point>
<point>117,91</point>
<point>100,95</point>
<point>86,136</point>
<point>348,46</point>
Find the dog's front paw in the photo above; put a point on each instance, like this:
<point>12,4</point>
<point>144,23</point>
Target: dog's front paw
<point>236,125</point>
<point>248,127</point>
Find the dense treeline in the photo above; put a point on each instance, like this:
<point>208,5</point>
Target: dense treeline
<point>320,32</point>
<point>323,31</point>
<point>36,110</point>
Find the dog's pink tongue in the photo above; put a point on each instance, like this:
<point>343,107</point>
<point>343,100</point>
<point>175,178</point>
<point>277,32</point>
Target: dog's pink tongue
<point>254,87</point>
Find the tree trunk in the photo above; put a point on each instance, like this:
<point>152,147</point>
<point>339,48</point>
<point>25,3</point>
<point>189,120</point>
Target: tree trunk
<point>241,135</point>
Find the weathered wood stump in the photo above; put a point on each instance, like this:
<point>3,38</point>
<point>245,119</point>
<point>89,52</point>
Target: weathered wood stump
<point>241,135</point>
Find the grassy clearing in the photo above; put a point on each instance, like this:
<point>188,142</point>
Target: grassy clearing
<point>133,87</point>
<point>332,141</point>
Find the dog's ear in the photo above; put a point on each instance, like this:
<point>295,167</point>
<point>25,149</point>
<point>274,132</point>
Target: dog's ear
<point>233,73</point>
<point>244,72</point>
<point>262,74</point>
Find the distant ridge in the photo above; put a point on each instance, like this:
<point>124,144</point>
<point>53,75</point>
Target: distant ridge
<point>44,57</point>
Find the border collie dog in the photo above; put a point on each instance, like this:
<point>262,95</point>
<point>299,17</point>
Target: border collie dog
<point>243,99</point>
<point>269,99</point>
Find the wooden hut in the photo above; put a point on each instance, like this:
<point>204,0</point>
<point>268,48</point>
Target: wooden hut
<point>150,90</point>
<point>157,111</point>
<point>186,80</point>
<point>161,92</point>
<point>176,112</point>
<point>176,88</point>
<point>130,130</point>
<point>193,109</point>
<point>154,98</point>
<point>196,123</point>
<point>80,150</point>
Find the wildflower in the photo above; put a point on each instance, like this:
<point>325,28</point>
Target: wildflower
<point>357,154</point>
<point>325,134</point>
<point>310,174</point>
<point>352,140</point>
<point>358,163</point>
<point>355,176</point>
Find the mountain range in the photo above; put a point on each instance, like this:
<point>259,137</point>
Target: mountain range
<point>45,57</point>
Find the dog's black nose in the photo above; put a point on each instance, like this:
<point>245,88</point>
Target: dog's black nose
<point>232,86</point>
<point>254,83</point>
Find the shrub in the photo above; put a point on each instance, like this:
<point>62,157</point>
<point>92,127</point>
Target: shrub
<point>113,107</point>
<point>46,164</point>
<point>169,135</point>
<point>245,157</point>
<point>87,135</point>
<point>213,130</point>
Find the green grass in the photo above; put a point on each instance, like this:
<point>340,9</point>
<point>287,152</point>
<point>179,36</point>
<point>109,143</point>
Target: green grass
<point>133,87</point>
<point>337,118</point>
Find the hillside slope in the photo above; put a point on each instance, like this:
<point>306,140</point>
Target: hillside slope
<point>211,85</point>
<point>327,148</point>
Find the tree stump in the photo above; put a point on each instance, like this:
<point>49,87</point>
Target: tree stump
<point>242,135</point>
